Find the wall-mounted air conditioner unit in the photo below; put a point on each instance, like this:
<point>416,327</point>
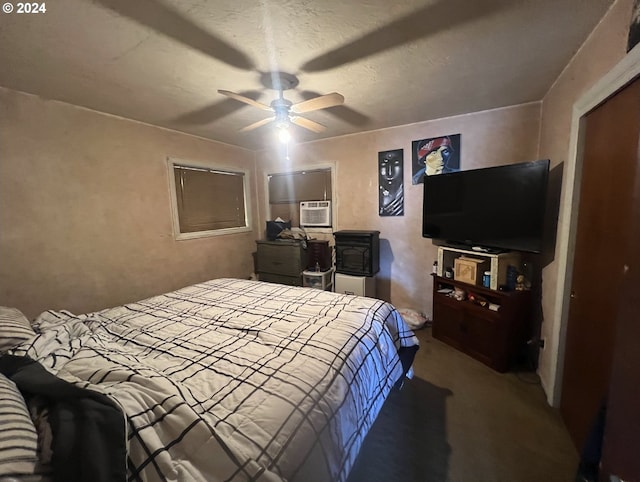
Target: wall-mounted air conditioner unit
<point>315,213</point>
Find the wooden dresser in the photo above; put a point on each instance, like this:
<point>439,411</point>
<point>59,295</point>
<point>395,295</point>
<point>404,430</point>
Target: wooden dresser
<point>281,262</point>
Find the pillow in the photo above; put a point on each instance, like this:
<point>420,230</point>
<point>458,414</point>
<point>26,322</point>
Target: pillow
<point>414,319</point>
<point>14,328</point>
<point>18,438</point>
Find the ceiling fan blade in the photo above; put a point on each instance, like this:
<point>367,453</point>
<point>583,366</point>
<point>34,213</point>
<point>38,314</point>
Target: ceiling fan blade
<point>322,102</point>
<point>260,123</point>
<point>244,99</point>
<point>308,124</point>
<point>212,112</point>
<point>343,112</point>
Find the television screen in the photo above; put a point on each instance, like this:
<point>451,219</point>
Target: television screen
<point>499,208</point>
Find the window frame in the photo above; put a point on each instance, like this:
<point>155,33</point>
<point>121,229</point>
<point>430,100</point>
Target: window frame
<point>234,170</point>
<point>306,167</point>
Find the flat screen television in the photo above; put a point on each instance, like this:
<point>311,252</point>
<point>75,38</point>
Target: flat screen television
<point>494,209</point>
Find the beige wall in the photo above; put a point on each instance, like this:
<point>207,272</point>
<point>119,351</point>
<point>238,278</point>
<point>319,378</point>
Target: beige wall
<point>605,47</point>
<point>489,138</point>
<point>85,220</point>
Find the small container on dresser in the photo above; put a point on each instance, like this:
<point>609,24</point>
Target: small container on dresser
<point>486,279</point>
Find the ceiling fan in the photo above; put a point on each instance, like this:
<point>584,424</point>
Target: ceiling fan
<point>284,111</point>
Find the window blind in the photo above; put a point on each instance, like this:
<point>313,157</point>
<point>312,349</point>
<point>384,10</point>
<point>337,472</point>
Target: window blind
<point>293,187</point>
<point>209,200</point>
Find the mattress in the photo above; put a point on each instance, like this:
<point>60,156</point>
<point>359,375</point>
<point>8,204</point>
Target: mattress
<point>233,379</point>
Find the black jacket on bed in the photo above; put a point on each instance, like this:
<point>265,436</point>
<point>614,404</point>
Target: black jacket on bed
<point>88,428</point>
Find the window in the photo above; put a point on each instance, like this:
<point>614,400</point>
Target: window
<point>208,201</point>
<point>293,187</point>
<point>286,191</point>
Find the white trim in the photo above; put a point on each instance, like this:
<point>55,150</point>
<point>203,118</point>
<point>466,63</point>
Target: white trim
<point>331,165</point>
<point>623,73</point>
<point>178,236</point>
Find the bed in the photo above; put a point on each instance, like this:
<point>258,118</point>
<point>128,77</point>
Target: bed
<point>234,380</point>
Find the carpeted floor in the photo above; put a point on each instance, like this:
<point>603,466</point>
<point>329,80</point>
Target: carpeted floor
<point>457,421</point>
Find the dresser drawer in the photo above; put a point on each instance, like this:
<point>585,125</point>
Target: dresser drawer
<point>281,279</point>
<point>281,259</point>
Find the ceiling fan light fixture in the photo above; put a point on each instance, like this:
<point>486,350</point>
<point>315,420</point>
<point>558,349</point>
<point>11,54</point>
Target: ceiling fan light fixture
<point>283,132</point>
<point>283,108</point>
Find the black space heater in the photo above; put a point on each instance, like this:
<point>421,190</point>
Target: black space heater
<point>357,252</point>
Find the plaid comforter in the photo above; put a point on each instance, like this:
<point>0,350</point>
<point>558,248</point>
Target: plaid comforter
<point>234,380</point>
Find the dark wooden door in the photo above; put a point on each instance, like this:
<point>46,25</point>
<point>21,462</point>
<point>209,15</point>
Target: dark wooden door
<point>622,426</point>
<point>604,219</point>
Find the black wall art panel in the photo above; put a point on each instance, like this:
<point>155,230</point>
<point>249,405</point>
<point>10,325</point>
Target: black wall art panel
<point>390,182</point>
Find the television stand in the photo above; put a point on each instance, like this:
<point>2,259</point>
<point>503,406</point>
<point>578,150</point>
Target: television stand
<point>494,332</point>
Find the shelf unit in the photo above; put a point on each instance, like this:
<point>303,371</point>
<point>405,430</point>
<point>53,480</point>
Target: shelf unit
<point>498,262</point>
<point>493,337</point>
<point>321,280</point>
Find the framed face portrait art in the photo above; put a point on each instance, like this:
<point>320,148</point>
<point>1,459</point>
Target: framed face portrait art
<point>390,183</point>
<point>435,155</point>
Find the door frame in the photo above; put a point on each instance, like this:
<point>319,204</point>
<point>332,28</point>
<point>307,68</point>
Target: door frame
<point>622,74</point>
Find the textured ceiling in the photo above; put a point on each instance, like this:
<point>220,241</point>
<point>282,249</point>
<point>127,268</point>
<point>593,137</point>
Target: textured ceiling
<point>396,63</point>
